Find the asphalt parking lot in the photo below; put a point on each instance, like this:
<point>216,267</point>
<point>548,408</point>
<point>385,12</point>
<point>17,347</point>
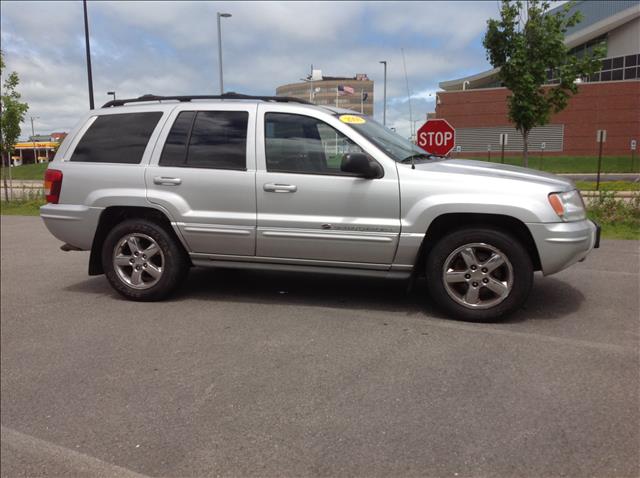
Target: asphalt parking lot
<point>274,374</point>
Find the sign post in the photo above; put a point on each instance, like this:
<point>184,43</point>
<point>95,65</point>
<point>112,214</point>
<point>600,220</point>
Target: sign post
<point>504,138</point>
<point>601,137</point>
<point>437,137</point>
<point>634,146</point>
<point>543,146</point>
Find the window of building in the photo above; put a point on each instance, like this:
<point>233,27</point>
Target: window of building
<point>301,144</point>
<point>117,138</point>
<point>207,139</point>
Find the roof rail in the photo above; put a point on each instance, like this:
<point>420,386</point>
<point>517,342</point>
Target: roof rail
<point>225,96</point>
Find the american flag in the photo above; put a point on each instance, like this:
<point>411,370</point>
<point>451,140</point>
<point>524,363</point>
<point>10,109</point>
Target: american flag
<point>345,90</point>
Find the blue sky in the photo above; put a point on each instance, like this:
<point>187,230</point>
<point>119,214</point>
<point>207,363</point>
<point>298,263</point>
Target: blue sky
<point>171,48</point>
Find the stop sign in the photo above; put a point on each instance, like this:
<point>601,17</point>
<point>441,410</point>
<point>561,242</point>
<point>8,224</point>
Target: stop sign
<point>437,136</point>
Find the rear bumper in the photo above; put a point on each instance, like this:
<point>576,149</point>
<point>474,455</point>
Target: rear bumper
<point>74,225</point>
<point>562,244</point>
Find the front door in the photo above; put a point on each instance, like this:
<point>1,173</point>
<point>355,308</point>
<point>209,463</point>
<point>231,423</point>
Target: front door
<point>308,210</point>
<point>204,176</point>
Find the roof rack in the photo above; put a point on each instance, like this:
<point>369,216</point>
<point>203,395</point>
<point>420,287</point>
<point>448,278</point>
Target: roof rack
<point>225,96</point>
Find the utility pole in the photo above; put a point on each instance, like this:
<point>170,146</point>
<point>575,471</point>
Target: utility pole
<point>384,100</point>
<point>33,139</point>
<point>88,48</point>
<point>224,15</point>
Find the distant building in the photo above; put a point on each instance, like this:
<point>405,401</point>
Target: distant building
<point>476,105</point>
<point>39,148</point>
<point>58,137</point>
<point>354,93</point>
<point>40,137</point>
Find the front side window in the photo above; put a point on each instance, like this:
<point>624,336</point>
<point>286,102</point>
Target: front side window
<point>207,139</point>
<point>301,144</point>
<point>117,138</point>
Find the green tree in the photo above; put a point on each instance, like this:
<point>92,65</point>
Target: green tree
<point>12,112</point>
<point>526,43</point>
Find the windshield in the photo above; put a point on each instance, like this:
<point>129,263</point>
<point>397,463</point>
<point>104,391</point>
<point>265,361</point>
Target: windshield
<point>396,147</point>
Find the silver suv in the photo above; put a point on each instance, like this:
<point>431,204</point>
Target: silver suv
<point>155,185</point>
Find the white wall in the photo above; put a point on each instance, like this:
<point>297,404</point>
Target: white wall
<point>624,40</point>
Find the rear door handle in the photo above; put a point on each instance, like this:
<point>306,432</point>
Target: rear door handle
<point>167,181</point>
<point>280,188</point>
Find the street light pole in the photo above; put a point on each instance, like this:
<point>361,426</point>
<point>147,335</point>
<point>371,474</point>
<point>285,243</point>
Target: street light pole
<point>224,15</point>
<point>112,93</point>
<point>88,48</point>
<point>33,139</point>
<point>384,101</point>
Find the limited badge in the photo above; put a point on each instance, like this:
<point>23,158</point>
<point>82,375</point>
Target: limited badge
<point>352,119</point>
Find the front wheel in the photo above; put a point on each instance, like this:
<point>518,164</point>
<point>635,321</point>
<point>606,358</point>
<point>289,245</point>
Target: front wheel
<point>479,274</point>
<point>142,260</point>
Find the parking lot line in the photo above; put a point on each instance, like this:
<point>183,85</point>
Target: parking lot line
<point>51,455</point>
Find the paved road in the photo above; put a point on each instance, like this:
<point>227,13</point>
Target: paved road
<point>273,374</point>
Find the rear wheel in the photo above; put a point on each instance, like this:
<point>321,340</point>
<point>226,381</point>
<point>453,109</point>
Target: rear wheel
<point>142,260</point>
<point>479,274</point>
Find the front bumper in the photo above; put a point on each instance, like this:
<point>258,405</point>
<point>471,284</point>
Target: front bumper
<point>562,244</point>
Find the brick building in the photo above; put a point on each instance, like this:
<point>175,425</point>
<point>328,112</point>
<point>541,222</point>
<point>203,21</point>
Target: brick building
<point>477,105</point>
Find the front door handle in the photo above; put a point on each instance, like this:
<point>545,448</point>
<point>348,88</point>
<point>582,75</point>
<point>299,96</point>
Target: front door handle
<point>280,188</point>
<point>167,181</point>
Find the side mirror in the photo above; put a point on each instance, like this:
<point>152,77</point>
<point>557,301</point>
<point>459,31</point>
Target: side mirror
<point>360,164</point>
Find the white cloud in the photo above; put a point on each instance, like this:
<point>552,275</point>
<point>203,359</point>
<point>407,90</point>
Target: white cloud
<point>171,48</point>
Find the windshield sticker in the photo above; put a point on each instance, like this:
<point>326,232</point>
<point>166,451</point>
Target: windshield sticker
<point>352,119</point>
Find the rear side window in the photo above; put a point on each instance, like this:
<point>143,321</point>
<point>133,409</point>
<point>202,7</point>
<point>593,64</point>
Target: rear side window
<point>119,138</point>
<point>207,139</point>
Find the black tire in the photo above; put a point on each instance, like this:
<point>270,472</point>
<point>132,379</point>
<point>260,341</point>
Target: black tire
<point>173,258</point>
<point>520,274</point>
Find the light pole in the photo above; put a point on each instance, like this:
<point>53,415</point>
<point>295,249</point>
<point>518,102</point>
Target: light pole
<point>112,93</point>
<point>384,101</point>
<point>224,15</point>
<point>88,48</point>
<point>33,139</point>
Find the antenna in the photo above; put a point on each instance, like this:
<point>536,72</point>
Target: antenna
<point>406,78</point>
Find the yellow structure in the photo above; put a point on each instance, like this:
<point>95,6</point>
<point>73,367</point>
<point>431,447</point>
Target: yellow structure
<point>34,151</point>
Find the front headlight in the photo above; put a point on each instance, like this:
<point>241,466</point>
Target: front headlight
<point>568,205</point>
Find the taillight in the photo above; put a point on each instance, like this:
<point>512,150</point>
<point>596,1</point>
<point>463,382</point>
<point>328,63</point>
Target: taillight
<point>52,185</point>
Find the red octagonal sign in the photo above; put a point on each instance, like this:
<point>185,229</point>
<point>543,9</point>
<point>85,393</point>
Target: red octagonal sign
<point>437,136</point>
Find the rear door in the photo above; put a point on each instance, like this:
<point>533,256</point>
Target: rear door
<point>203,174</point>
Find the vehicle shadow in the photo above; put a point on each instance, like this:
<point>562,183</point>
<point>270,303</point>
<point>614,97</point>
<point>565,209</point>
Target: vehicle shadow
<point>550,298</point>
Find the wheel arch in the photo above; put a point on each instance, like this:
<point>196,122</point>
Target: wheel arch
<point>449,222</point>
<point>113,215</point>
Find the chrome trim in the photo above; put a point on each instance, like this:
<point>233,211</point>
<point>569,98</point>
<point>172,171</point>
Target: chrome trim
<point>60,217</point>
<point>196,256</point>
<point>216,230</point>
<point>386,274</point>
<point>567,239</point>
<point>326,235</point>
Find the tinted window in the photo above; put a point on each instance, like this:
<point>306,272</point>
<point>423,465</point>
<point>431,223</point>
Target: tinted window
<point>175,148</point>
<point>219,140</point>
<point>300,144</point>
<point>119,138</point>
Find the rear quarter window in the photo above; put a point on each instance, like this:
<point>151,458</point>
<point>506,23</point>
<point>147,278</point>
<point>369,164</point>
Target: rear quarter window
<point>118,138</point>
